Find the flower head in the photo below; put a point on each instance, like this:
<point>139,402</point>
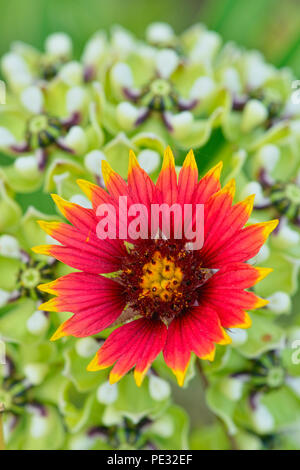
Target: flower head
<point>169,297</point>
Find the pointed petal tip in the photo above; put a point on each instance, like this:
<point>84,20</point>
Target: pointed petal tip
<point>133,161</point>
<point>42,250</point>
<point>139,376</point>
<point>210,356</point>
<point>190,160</point>
<point>59,333</point>
<point>114,378</point>
<point>168,160</point>
<point>93,366</point>
<point>262,273</point>
<point>270,226</point>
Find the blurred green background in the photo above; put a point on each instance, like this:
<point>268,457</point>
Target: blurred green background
<point>270,25</point>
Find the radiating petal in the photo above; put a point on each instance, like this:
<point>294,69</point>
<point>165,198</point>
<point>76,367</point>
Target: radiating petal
<point>208,185</point>
<point>187,179</point>
<point>244,245</point>
<point>95,301</point>
<point>196,331</point>
<point>81,249</point>
<point>114,183</point>
<point>135,344</point>
<point>167,180</point>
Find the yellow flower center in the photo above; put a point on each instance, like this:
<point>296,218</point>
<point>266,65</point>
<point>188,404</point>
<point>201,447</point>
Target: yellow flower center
<point>161,277</point>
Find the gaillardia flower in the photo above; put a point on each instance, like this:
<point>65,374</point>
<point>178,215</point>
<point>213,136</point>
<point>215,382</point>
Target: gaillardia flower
<point>169,297</point>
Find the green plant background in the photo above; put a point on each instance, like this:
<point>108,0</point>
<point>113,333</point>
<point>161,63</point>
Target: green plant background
<point>269,25</point>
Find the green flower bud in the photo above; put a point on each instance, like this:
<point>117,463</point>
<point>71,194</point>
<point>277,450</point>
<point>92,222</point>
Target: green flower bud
<point>232,388</point>
<point>107,393</point>
<point>76,140</point>
<point>71,73</point>
<point>262,419</point>
<point>93,161</point>
<point>86,347</point>
<point>27,167</point>
<point>37,323</point>
<point>149,160</point>
<point>36,372</point>
<point>32,99</point>
<point>279,302</point>
<point>254,114</point>
<point>286,238</point>
<point>159,389</point>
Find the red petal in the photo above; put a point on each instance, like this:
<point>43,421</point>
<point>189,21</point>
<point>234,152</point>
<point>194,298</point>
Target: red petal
<point>195,331</point>
<point>208,185</point>
<point>187,180</point>
<point>167,180</point>
<point>136,343</point>
<point>95,301</point>
<point>245,244</point>
<point>82,248</point>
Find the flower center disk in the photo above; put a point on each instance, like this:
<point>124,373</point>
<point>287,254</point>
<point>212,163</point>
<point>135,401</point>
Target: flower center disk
<point>161,278</point>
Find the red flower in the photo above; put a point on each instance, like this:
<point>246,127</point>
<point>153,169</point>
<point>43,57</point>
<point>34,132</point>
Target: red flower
<point>177,300</point>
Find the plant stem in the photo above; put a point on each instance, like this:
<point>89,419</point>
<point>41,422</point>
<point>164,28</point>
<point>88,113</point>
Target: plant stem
<point>205,383</point>
<point>2,445</point>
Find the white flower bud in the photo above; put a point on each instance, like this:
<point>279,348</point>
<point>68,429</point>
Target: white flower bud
<point>9,246</point>
<point>76,140</point>
<point>76,99</point>
<point>81,200</point>
<point>231,80</point>
<point>166,62</point>
<point>4,296</point>
<point>159,389</point>
<point>107,393</point>
<point>206,47</point>
<point>93,161</point>
<point>261,256</point>
<point>286,237</point>
<point>86,347</point>
<point>32,99</point>
<point>121,75</point>
<point>239,336</point>
<point>159,33</point>
<point>6,138</point>
<point>122,41</point>
<point>180,123</point>
<point>82,442</point>
<point>149,160</point>
<point>16,70</point>
<point>257,71</point>
<point>164,426</point>
<point>71,73</point>
<point>59,45</point>
<point>254,188</point>
<point>202,88</point>
<point>294,384</point>
<point>232,388</point>
<point>38,426</point>
<point>37,323</point>
<point>27,167</point>
<point>292,107</point>
<point>254,114</point>
<point>127,114</point>
<point>262,419</point>
<point>268,156</point>
<point>279,302</point>
<point>36,372</point>
<point>94,50</point>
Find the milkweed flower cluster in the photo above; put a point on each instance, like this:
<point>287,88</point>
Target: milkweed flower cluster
<point>143,302</point>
